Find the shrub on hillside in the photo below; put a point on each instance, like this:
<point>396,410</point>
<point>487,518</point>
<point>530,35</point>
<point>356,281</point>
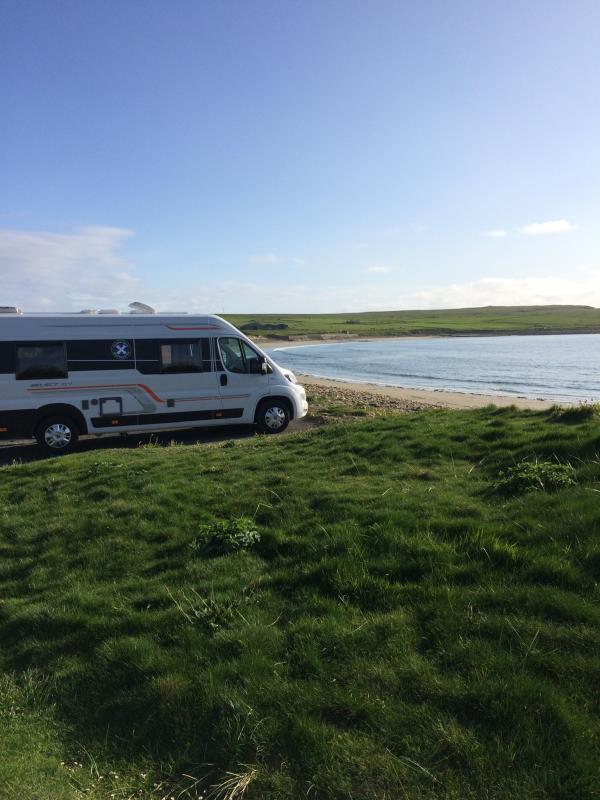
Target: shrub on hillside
<point>530,476</point>
<point>581,413</point>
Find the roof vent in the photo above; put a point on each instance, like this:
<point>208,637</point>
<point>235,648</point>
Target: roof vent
<point>10,310</point>
<point>141,308</point>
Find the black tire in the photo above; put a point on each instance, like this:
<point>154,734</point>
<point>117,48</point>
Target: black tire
<point>57,435</point>
<point>272,416</point>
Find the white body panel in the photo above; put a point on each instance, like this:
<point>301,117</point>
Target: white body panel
<point>116,374</point>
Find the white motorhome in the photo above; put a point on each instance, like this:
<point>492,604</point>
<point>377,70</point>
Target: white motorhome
<point>94,372</point>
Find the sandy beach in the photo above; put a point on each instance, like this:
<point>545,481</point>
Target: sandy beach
<point>272,344</point>
<point>413,399</point>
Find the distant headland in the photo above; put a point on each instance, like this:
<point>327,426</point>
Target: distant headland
<point>485,321</point>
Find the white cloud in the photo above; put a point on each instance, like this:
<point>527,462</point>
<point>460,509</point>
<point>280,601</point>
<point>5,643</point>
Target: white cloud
<point>86,269</point>
<point>582,289</point>
<point>544,228</point>
<point>299,261</point>
<point>553,290</point>
<point>264,258</point>
<point>377,270</point>
<point>41,270</point>
<point>495,233</point>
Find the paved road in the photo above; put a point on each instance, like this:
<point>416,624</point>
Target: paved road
<point>28,450</point>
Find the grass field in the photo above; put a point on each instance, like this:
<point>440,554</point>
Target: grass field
<point>375,609</point>
<point>449,322</point>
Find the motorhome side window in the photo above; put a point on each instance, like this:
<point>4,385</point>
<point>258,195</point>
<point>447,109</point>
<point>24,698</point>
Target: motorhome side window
<point>47,360</point>
<point>181,357</point>
<point>237,356</point>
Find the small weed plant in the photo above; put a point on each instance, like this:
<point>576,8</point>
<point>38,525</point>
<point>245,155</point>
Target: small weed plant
<point>227,536</point>
<point>205,612</point>
<point>531,476</point>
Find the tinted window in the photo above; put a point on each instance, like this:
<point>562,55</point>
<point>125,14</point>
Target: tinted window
<point>7,357</point>
<point>181,357</point>
<point>100,354</point>
<point>237,356</point>
<point>108,350</point>
<point>41,361</point>
<point>253,360</point>
<point>231,354</point>
<point>149,355</point>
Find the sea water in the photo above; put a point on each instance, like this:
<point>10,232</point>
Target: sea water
<point>558,367</point>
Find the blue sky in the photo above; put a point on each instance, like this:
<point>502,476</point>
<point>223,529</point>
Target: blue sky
<point>277,155</point>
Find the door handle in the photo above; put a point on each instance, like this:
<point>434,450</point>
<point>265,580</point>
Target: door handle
<point>223,379</point>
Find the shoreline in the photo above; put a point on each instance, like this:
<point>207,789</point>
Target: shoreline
<point>265,341</point>
<point>274,344</point>
<point>434,398</point>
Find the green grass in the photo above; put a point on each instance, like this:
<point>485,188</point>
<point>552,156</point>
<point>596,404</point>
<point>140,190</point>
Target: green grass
<point>445,322</point>
<point>377,620</point>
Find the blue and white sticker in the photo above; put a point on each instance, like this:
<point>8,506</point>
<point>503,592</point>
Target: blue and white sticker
<point>121,350</point>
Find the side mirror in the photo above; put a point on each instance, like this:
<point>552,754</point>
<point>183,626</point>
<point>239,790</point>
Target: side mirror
<point>258,366</point>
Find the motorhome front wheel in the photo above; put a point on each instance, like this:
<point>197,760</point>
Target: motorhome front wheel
<point>272,416</point>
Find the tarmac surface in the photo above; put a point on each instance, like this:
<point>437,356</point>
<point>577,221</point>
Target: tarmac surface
<point>23,450</point>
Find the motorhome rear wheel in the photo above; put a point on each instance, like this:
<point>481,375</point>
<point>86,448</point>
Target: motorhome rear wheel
<point>57,434</point>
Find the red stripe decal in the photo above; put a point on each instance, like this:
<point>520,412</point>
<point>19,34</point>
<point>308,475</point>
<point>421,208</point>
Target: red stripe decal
<point>194,399</point>
<point>195,328</point>
<point>143,386</point>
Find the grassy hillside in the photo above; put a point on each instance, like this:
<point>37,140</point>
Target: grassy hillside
<point>368,610</point>
<point>501,319</point>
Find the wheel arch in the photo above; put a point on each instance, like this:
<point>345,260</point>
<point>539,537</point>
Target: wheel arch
<point>61,409</point>
<point>268,398</point>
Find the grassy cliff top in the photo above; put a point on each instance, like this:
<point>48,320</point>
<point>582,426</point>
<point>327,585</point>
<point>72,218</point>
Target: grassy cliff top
<point>401,607</point>
<point>447,322</point>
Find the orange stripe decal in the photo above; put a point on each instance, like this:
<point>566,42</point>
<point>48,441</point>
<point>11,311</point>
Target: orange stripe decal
<point>143,386</point>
